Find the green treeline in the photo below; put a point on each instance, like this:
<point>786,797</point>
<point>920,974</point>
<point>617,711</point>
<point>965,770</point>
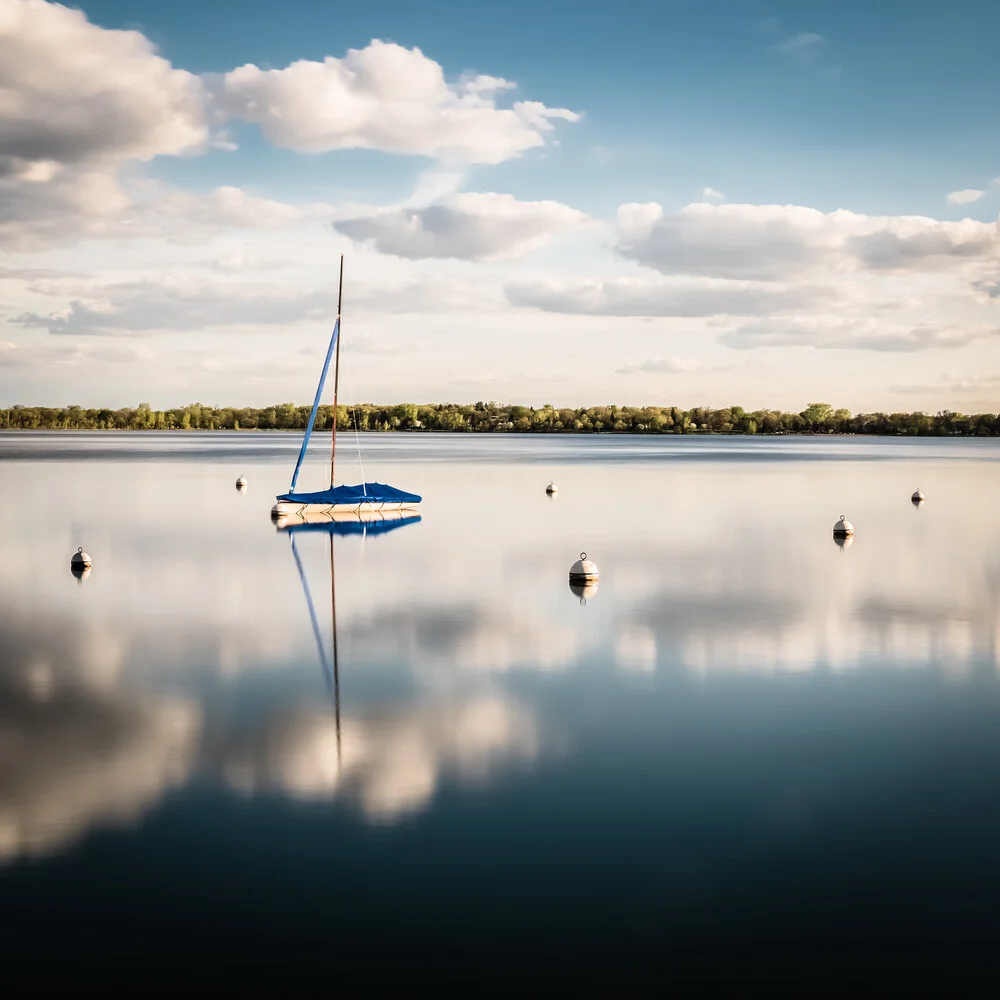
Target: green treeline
<point>817,418</point>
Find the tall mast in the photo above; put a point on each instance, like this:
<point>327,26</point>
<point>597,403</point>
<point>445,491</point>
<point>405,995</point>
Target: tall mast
<point>336,373</point>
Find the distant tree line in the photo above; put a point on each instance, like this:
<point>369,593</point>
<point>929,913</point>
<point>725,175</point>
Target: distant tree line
<point>817,418</point>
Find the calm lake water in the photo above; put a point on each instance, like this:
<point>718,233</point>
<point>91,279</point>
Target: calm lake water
<point>750,744</point>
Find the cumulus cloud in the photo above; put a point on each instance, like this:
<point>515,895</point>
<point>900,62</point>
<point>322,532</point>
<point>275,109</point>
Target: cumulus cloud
<point>662,366</point>
<point>964,197</point>
<point>14,355</point>
<point>680,297</point>
<point>232,207</point>
<point>988,385</point>
<point>79,102</point>
<point>470,226</point>
<point>76,102</point>
<point>189,303</point>
<point>73,92</point>
<point>390,98</point>
<point>988,286</point>
<point>710,194</point>
<point>775,242</point>
<point>180,303</point>
<point>824,333</point>
<point>916,244</point>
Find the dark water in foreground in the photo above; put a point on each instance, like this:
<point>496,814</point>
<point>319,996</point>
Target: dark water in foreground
<point>748,746</point>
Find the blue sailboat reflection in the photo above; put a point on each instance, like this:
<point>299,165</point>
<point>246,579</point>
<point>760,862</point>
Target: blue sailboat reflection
<point>332,524</point>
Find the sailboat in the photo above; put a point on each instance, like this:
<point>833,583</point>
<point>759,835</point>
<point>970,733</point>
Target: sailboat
<point>376,497</point>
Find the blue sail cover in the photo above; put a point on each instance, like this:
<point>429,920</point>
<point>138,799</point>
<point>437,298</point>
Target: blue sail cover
<point>366,493</point>
<point>315,407</point>
<point>352,527</point>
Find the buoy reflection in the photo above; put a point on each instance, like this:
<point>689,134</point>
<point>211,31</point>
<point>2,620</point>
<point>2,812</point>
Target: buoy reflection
<point>583,590</point>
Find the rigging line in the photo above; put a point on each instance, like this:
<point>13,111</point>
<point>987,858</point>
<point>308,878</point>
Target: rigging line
<point>327,670</point>
<point>357,435</point>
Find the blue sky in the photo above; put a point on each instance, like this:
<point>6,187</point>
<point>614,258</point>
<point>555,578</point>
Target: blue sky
<point>678,89</point>
<point>884,112</point>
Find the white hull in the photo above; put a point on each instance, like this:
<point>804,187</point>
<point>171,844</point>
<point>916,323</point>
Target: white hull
<point>284,508</point>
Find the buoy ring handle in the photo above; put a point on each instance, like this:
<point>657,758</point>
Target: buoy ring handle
<point>80,549</point>
<point>843,517</point>
<point>583,556</point>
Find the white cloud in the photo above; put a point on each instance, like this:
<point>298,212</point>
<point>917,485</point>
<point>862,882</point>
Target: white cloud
<point>710,194</point>
<point>781,242</point>
<point>965,197</point>
<point>14,355</point>
<point>390,98</point>
<point>662,366</point>
<point>958,385</point>
<point>988,286</point>
<point>72,92</point>
<point>232,207</point>
<point>231,293</point>
<point>180,303</point>
<point>803,47</point>
<point>864,334</point>
<point>470,226</point>
<point>675,297</point>
<point>76,102</point>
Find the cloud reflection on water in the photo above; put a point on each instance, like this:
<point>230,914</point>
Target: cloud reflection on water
<point>145,677</point>
<point>76,751</point>
<point>390,764</point>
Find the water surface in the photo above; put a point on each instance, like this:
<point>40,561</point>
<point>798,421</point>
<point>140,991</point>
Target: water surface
<point>749,742</point>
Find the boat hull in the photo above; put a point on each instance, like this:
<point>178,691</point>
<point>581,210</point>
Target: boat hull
<point>285,508</point>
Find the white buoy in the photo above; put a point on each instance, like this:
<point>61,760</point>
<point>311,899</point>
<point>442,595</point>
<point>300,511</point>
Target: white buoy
<point>551,488</point>
<point>583,570</point>
<point>241,483</point>
<point>843,527</point>
<point>917,496</point>
<point>80,565</point>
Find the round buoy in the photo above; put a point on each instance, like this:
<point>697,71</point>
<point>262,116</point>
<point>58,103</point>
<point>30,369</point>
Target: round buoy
<point>551,489</point>
<point>80,564</point>
<point>843,527</point>
<point>582,589</point>
<point>917,496</point>
<point>583,570</point>
<point>241,483</point>
<point>80,558</point>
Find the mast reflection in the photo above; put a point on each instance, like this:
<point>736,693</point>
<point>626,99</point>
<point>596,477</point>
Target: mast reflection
<point>363,524</point>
